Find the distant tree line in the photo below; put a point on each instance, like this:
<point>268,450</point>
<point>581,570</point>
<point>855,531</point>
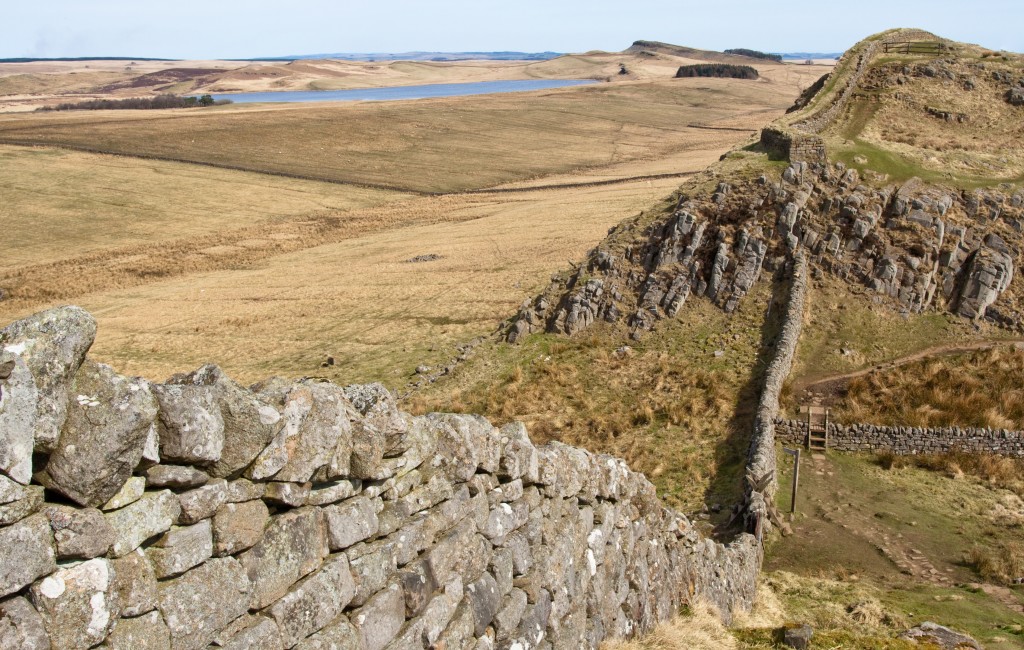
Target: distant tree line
<point>742,51</point>
<point>136,103</point>
<point>717,70</point>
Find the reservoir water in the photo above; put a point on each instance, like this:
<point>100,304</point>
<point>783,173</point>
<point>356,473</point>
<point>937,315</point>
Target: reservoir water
<point>404,92</point>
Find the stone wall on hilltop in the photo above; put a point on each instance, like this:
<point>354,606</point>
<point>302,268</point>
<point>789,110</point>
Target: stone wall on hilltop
<point>301,514</point>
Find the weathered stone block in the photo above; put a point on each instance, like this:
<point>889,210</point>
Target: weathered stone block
<point>339,635</point>
<point>201,503</point>
<point>380,619</point>
<point>180,549</point>
<point>249,423</point>
<point>293,545</point>
<point>26,553</point>
<point>51,346</point>
<point>130,492</point>
<point>19,400</point>
<point>191,429</point>
<point>245,490</point>
<point>350,522</point>
<point>253,633</point>
<point>21,627</point>
<point>79,533</point>
<point>135,584</point>
<point>103,436</point>
<point>484,599</point>
<point>78,603</point>
<point>291,495</point>
<point>198,604</point>
<point>151,515</point>
<point>238,526</point>
<point>176,477</point>
<point>18,510</point>
<point>314,602</point>
<point>328,493</point>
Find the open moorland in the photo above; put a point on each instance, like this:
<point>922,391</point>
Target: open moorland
<point>271,237</point>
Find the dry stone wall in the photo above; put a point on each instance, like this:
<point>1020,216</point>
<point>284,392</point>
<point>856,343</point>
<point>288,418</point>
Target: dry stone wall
<point>908,440</point>
<point>300,514</point>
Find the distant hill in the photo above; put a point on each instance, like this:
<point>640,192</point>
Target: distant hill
<point>81,58</point>
<point>420,56</point>
<point>689,52</point>
<point>803,56</point>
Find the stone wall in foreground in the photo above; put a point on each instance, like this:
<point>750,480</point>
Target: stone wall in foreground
<point>301,514</point>
<point>908,440</point>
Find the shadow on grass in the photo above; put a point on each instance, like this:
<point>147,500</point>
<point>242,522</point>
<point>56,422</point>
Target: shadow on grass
<point>726,485</point>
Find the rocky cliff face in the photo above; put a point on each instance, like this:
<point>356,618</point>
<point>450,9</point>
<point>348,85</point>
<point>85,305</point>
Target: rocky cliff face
<point>301,514</point>
<point>919,246</point>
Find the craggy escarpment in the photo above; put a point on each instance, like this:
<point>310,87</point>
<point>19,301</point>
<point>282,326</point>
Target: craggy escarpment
<point>908,440</point>
<point>308,515</point>
<point>918,246</point>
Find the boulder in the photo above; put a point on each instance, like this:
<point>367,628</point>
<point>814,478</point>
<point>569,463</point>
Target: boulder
<point>52,344</point>
<point>191,429</point>
<point>26,553</point>
<point>249,423</point>
<point>81,533</point>
<point>293,545</point>
<point>78,603</point>
<point>987,273</point>
<point>200,603</point>
<point>103,437</point>
<point>935,635</point>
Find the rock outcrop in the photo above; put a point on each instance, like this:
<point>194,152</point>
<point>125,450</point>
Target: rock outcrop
<point>299,514</point>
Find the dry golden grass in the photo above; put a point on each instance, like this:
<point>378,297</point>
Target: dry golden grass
<point>699,629</point>
<point>981,389</point>
<point>62,204</point>
<point>1003,564</point>
<point>435,145</point>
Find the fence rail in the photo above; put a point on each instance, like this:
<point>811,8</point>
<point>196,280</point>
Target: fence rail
<point>915,47</point>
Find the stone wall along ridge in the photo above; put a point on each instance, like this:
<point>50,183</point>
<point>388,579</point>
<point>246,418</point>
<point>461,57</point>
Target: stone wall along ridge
<point>908,440</point>
<point>761,480</point>
<point>301,514</point>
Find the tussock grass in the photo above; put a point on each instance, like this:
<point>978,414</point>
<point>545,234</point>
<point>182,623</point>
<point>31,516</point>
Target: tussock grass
<point>979,389</point>
<point>700,628</point>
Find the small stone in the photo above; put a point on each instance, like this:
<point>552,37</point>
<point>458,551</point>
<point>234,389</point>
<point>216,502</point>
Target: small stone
<point>238,526</point>
<point>292,495</point>
<point>314,602</point>
<point>798,637</point>
<point>243,489</point>
<point>18,510</point>
<point>79,533</point>
<point>135,584</point>
<point>201,503</point>
<point>180,549</point>
<point>339,635</point>
<point>328,493</point>
<point>255,633</point>
<point>130,492</point>
<point>177,477</point>
<point>149,516</point>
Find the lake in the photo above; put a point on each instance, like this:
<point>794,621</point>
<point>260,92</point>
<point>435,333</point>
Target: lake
<point>404,92</point>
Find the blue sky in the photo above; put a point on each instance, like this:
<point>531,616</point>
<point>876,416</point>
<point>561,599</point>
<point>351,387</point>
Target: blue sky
<point>225,28</point>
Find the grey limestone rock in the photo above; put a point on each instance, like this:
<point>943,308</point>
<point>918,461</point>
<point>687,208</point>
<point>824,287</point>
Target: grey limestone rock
<point>177,477</point>
<point>339,635</point>
<point>26,553</point>
<point>291,495</point>
<point>381,618</point>
<point>249,423</point>
<point>191,429</point>
<point>200,603</point>
<point>238,526</point>
<point>484,600</point>
<point>379,410</point>
<point>316,434</point>
<point>988,272</point>
<point>30,503</point>
<point>180,549</point>
<point>201,503</point>
<point>103,437</point>
<point>292,546</point>
<point>146,632</point>
<point>11,490</point>
<point>149,516</point>
<point>350,522</point>
<point>314,602</point>
<point>52,344</point>
<point>253,633</point>
<point>21,627</point>
<point>936,635</point>
<point>19,398</point>
<point>79,532</point>
<point>327,493</point>
<point>78,603</point>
